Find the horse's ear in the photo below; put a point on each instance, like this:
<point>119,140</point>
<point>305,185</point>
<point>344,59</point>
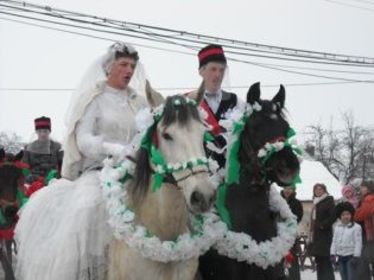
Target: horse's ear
<point>154,98</point>
<point>19,155</point>
<point>254,93</point>
<point>280,97</point>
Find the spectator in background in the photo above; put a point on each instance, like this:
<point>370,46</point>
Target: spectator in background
<point>347,241</point>
<point>350,195</point>
<point>44,154</point>
<point>289,194</point>
<point>2,153</point>
<point>320,233</point>
<point>365,214</point>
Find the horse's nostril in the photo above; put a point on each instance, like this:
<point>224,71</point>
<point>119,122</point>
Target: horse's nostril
<point>212,200</point>
<point>197,198</point>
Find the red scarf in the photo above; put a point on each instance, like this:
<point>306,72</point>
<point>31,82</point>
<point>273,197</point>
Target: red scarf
<point>211,119</point>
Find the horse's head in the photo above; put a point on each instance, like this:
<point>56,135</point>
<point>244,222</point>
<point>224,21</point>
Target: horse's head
<point>10,180</point>
<point>179,137</point>
<point>267,125</point>
<point>10,169</point>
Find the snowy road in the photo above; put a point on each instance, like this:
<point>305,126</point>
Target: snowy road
<point>305,275</point>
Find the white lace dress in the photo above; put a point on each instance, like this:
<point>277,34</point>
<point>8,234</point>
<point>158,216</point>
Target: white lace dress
<point>62,232</point>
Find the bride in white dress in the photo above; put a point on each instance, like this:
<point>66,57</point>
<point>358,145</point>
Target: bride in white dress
<point>62,233</point>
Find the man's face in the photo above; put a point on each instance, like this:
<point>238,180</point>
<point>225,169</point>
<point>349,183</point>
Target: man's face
<point>43,134</point>
<point>212,74</point>
<point>121,71</point>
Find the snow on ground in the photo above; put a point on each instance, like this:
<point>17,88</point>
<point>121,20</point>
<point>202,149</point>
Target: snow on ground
<point>308,274</point>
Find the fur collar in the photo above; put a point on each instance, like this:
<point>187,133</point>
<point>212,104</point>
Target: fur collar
<point>317,200</point>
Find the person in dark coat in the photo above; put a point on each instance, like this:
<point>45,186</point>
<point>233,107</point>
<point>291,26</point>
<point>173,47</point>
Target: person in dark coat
<point>365,216</point>
<point>43,154</point>
<point>289,194</point>
<point>320,237</point>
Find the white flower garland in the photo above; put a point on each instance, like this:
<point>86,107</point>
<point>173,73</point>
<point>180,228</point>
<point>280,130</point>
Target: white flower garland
<point>235,245</point>
<point>278,146</point>
<point>122,219</point>
<point>242,247</point>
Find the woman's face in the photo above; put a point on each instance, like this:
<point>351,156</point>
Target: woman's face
<point>318,191</point>
<point>121,71</point>
<point>348,194</point>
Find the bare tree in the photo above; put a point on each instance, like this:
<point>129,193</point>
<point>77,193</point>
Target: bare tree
<point>347,153</point>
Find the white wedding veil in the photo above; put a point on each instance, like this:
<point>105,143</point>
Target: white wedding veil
<point>90,86</point>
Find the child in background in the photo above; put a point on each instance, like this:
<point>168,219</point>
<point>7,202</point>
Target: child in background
<point>349,194</point>
<point>347,241</point>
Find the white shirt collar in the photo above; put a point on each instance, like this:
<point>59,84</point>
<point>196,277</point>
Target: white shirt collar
<point>213,100</point>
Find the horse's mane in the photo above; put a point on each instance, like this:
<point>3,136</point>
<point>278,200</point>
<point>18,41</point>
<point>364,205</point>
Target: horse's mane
<point>177,110</point>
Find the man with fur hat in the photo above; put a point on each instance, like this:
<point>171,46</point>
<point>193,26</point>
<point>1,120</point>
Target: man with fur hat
<point>365,214</point>
<point>43,154</point>
<point>216,102</point>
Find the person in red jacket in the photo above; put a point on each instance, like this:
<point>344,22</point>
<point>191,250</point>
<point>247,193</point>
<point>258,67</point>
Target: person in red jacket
<point>365,215</point>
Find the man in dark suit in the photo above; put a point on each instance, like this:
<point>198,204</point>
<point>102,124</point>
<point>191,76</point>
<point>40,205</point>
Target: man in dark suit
<point>216,102</point>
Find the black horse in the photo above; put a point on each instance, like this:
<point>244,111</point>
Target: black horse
<point>11,181</point>
<point>248,201</point>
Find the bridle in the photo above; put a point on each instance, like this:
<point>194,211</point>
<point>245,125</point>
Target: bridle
<point>260,169</point>
<point>170,178</point>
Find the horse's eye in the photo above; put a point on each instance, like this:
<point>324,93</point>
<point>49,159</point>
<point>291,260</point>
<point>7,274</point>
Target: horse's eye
<point>167,136</point>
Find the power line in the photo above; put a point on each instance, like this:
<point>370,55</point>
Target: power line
<point>179,35</point>
<point>185,88</point>
<point>180,52</point>
<point>263,65</point>
<point>106,38</point>
<point>364,1</point>
<point>304,73</point>
<point>163,40</point>
<point>350,5</point>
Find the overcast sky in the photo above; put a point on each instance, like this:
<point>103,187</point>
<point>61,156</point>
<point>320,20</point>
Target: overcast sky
<point>31,57</point>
